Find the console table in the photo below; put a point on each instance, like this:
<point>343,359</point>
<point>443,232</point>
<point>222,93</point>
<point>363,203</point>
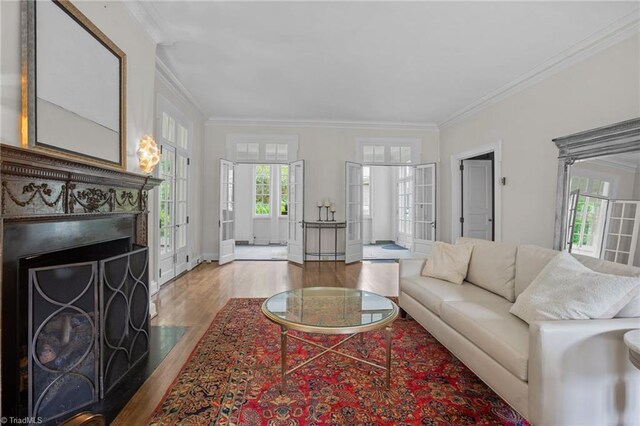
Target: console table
<point>320,225</point>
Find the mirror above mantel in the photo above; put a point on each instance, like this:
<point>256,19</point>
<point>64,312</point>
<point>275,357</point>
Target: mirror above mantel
<point>73,85</point>
<point>598,193</point>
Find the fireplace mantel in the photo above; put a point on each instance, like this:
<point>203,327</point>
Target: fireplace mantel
<point>38,187</point>
<point>62,202</point>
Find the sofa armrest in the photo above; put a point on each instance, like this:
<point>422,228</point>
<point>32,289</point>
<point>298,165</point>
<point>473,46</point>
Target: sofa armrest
<point>411,267</point>
<point>580,373</point>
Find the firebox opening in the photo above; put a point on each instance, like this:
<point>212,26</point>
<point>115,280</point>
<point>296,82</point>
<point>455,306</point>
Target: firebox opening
<point>59,346</point>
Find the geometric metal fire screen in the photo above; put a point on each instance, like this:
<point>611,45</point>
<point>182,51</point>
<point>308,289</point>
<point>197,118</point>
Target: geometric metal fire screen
<point>124,307</point>
<point>63,339</point>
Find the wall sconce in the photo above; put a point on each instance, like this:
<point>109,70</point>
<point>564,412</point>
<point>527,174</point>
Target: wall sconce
<point>148,154</point>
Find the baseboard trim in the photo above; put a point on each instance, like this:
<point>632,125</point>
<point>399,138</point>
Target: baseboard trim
<point>210,257</point>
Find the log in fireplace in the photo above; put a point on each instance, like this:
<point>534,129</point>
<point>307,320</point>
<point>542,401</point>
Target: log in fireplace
<point>74,282</point>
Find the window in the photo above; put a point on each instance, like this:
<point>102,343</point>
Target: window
<point>375,150</point>
<point>366,191</point>
<point>284,190</point>
<point>258,148</point>
<point>247,152</point>
<point>263,190</point>
<point>276,152</point>
<point>590,214</point>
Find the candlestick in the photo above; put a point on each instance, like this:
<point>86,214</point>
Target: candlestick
<point>320,203</point>
<point>319,212</point>
<point>333,208</point>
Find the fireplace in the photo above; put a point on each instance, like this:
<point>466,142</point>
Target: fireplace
<point>74,282</point>
<point>87,324</point>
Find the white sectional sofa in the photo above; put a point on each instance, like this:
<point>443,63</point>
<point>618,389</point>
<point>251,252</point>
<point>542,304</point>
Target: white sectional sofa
<point>562,372</point>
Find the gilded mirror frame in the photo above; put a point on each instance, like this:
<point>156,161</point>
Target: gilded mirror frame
<point>617,138</point>
<point>29,117</point>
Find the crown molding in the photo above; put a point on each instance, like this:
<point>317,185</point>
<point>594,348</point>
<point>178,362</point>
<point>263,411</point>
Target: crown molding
<point>151,21</point>
<point>264,122</point>
<point>165,73</point>
<point>618,31</point>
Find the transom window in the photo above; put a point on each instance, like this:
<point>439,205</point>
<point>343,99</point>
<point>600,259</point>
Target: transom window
<point>392,151</point>
<point>259,148</point>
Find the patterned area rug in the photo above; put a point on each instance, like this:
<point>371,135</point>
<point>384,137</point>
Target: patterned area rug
<point>233,377</point>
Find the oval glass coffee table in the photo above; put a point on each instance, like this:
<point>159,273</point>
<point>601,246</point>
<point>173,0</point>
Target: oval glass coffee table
<point>330,310</point>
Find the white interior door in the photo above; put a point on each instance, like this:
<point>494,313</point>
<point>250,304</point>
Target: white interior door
<point>353,212</point>
<point>477,199</point>
<point>167,172</point>
<point>424,210</point>
<point>226,218</point>
<point>295,240</point>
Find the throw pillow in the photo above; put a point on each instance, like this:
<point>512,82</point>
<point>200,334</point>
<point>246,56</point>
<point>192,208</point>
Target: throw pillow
<point>566,289</point>
<point>448,262</point>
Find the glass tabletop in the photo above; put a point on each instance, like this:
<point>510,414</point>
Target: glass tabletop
<point>330,310</point>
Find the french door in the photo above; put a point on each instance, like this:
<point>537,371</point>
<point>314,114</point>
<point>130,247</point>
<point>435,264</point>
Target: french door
<point>353,214</point>
<point>173,219</point>
<point>621,231</point>
<point>226,218</point>
<point>424,208</point>
<point>295,215</point>
<point>295,212</point>
<point>404,212</point>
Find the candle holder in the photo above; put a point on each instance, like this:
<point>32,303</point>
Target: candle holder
<point>327,207</point>
<point>333,216</point>
<point>319,213</point>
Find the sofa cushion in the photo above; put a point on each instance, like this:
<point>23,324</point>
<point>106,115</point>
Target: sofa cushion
<point>492,266</point>
<point>530,260</point>
<point>491,327</point>
<point>566,289</point>
<point>448,262</point>
<point>431,292</point>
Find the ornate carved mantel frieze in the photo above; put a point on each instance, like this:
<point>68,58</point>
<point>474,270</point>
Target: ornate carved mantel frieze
<point>39,187</point>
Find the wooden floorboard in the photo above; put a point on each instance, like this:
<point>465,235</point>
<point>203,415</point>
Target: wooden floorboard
<point>196,297</point>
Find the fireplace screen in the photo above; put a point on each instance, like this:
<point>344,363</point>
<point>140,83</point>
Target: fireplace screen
<point>124,303</point>
<point>88,327</point>
<point>63,356</point>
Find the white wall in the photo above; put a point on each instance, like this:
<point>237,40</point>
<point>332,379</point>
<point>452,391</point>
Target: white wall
<point>382,202</point>
<point>244,204</point>
<point>115,21</point>
<point>324,149</point>
<point>598,91</point>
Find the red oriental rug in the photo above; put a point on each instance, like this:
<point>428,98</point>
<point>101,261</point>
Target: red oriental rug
<point>233,378</point>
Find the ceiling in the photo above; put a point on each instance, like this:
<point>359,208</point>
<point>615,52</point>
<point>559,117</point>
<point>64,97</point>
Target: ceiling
<point>391,62</point>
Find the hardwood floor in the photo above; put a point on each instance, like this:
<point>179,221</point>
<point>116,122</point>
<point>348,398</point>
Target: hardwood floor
<point>194,299</point>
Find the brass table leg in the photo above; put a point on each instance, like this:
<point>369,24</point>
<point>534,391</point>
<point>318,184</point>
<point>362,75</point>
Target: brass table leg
<point>388,339</point>
<point>283,356</point>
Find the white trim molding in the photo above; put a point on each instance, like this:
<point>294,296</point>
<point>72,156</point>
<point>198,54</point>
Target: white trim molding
<point>334,124</point>
<point>145,13</point>
<point>210,257</point>
<point>601,40</point>
<point>165,73</point>
<point>456,187</point>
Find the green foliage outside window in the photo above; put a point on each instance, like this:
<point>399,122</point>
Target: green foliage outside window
<point>284,190</point>
<point>263,190</point>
